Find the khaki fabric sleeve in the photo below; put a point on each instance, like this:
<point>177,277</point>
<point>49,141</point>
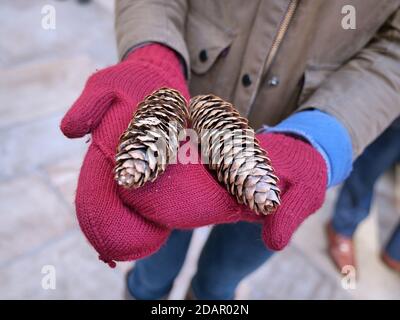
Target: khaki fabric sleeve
<point>364,94</point>
<point>141,21</point>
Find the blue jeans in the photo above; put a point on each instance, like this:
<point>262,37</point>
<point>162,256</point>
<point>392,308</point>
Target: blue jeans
<point>355,198</point>
<point>231,252</point>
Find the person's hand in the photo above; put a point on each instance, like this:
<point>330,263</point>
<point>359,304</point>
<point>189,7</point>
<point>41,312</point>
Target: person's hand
<point>303,182</point>
<point>104,109</point>
<point>126,224</point>
<point>189,196</point>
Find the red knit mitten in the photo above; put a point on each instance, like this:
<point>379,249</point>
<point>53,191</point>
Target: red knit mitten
<point>128,224</point>
<point>303,180</point>
<point>189,196</point>
<point>104,109</point>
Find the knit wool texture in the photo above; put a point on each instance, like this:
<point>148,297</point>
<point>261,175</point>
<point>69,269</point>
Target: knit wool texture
<point>189,196</point>
<point>104,109</point>
<point>303,176</point>
<point>130,224</point>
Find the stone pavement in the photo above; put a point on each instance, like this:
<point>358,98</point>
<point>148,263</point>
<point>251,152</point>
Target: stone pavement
<point>41,74</point>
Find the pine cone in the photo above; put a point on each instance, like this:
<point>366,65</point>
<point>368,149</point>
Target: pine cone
<point>151,139</point>
<point>231,149</point>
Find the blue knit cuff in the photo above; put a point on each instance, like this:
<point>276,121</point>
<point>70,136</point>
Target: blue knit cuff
<point>326,134</point>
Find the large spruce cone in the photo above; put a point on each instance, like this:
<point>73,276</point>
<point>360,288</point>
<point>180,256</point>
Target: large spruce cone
<point>230,146</point>
<point>151,138</point>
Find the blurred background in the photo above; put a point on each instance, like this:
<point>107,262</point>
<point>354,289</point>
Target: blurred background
<point>42,71</point>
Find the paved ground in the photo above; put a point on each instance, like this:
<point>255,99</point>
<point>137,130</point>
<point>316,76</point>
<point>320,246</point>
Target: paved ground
<point>41,73</point>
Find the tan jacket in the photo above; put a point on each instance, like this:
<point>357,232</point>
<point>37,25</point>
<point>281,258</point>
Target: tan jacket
<point>273,57</point>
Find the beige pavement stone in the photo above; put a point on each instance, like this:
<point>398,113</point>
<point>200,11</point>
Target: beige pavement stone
<point>79,274</point>
<point>386,206</point>
<point>26,147</point>
<point>106,4</point>
<point>36,90</point>
<point>286,275</point>
<point>41,74</point>
<point>375,281</point>
<point>31,214</point>
<point>64,176</point>
<point>290,275</point>
<point>80,29</point>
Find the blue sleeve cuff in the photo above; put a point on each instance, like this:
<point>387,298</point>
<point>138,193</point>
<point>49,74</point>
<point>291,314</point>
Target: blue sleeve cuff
<point>326,134</point>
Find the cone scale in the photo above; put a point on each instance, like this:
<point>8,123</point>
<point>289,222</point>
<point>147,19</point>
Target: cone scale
<point>151,138</point>
<point>232,151</point>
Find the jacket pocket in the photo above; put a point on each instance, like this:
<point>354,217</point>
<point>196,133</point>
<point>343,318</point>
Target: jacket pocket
<point>313,77</point>
<point>206,42</point>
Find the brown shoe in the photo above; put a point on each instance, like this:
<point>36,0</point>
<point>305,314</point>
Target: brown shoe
<point>189,294</point>
<point>390,262</point>
<point>340,249</point>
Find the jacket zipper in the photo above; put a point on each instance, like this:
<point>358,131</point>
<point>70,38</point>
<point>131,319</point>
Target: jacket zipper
<point>278,39</point>
<point>281,33</point>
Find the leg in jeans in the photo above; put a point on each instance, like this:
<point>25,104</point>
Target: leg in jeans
<point>393,246</point>
<point>232,252</point>
<point>153,277</point>
<point>355,198</point>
